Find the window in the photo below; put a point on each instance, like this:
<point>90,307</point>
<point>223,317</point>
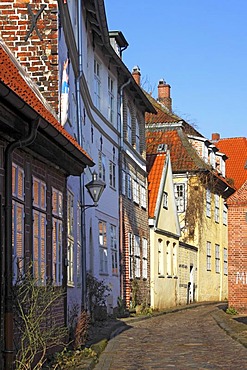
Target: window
<point>165,200</point>
<point>225,262</point>
<point>123,182</point>
<point>143,197</point>
<point>180,197</point>
<point>205,153</point>
<point>209,256</point>
<point>39,230</point>
<point>79,237</point>
<point>70,256</point>
<point>160,258</point>
<point>111,99</point>
<point>97,84</point>
<point>70,214</point>
<point>208,203</point>
<point>137,254</point>
<point>112,174</point>
<point>114,253</point>
<point>131,256</point>
<point>102,166</point>
<point>57,250</point>
<point>129,126</point>
<point>212,158</point>
<point>224,214</point>
<point>129,188</point>
<point>103,248</point>
<point>57,256</point>
<point>216,207</point>
<point>168,259</point>
<point>18,221</point>
<point>217,258</point>
<point>137,136</point>
<point>144,258</point>
<point>135,191</point>
<point>174,259</point>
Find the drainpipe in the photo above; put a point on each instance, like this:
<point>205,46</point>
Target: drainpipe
<point>120,190</point>
<point>8,297</point>
<point>82,182</point>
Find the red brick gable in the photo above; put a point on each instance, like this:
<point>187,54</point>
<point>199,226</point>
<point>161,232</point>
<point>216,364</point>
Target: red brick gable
<point>236,164</point>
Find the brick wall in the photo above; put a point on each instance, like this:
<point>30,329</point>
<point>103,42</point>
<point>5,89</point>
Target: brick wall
<point>237,259</point>
<point>37,51</point>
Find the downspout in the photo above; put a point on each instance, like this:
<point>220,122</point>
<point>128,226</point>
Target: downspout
<point>79,133</point>
<point>8,273</point>
<point>120,190</point>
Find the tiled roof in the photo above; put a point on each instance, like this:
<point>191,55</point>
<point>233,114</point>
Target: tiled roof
<point>239,198</point>
<point>155,169</point>
<point>183,156</point>
<point>236,164</point>
<point>16,79</point>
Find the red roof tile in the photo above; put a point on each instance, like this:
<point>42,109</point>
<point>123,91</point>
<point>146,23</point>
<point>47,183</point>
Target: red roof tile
<point>183,156</point>
<point>13,76</point>
<point>236,164</point>
<point>155,170</point>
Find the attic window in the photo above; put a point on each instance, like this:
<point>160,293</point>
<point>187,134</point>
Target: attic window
<point>162,148</point>
<point>165,200</point>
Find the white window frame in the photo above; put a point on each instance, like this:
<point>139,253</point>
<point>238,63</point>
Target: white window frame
<point>102,166</point>
<point>71,245</point>
<point>112,174</point>
<point>144,258</point>
<point>165,200</point>
<point>136,196</point>
<point>97,84</point>
<point>216,208</point>
<point>131,255</point>
<point>57,252</point>
<point>217,258</point>
<point>143,197</point>
<point>137,256</point>
<point>208,203</point>
<point>39,224</point>
<point>114,250</point>
<point>179,189</point>
<point>111,99</point>
<point>205,152</point>
<point>168,259</point>
<point>225,214</point>
<point>103,252</point>
<point>209,256</point>
<point>160,258</point>
<point>129,186</point>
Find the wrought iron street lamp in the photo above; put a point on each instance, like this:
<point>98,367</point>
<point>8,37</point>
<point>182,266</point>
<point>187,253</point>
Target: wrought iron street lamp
<point>95,188</point>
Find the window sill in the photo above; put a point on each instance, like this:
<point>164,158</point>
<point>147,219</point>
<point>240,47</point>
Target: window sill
<point>161,276</point>
<point>70,284</point>
<point>103,273</point>
<point>169,276</point>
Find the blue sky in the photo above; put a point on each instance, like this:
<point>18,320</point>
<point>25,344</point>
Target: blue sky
<point>199,47</point>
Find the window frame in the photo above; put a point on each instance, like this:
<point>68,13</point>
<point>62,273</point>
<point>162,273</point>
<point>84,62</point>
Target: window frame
<point>103,250</point>
<point>209,256</point>
<point>179,191</point>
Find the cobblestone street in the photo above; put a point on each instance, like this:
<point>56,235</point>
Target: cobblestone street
<point>188,339</point>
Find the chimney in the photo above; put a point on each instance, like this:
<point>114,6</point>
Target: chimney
<point>215,137</point>
<point>164,94</point>
<point>136,73</point>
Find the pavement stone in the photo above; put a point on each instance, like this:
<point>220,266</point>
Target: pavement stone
<point>205,337</point>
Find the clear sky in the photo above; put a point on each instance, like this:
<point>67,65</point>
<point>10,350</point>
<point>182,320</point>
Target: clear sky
<point>199,47</point>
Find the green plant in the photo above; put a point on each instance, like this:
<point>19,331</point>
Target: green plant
<point>36,322</point>
<point>97,292</point>
<point>231,311</point>
<point>121,306</point>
